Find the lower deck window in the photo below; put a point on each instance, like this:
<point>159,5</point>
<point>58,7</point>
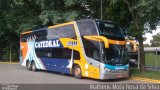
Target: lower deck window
<point>58,53</point>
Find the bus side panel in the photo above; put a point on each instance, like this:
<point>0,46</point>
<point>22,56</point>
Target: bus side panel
<point>94,72</point>
<point>58,65</point>
<point>23,51</point>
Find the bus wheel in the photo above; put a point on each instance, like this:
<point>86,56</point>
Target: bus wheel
<point>77,72</point>
<point>28,64</point>
<point>34,66</point>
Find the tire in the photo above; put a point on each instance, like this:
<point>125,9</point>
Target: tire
<point>28,65</point>
<point>77,72</point>
<point>34,66</point>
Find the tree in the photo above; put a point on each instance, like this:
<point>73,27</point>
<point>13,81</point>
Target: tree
<point>22,15</point>
<point>155,42</point>
<point>140,16</point>
<point>39,13</point>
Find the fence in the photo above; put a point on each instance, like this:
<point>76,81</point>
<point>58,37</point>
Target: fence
<point>152,58</point>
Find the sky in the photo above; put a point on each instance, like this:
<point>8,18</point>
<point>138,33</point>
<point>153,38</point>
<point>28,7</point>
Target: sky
<point>149,36</point>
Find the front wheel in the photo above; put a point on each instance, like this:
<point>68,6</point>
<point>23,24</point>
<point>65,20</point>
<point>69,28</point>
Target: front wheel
<point>77,72</point>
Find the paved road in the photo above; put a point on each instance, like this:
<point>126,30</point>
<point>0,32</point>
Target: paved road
<point>16,74</point>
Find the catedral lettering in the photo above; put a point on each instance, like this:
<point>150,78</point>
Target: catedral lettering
<point>48,43</point>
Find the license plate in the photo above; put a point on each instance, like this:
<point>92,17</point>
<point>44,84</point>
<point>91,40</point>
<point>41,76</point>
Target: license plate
<point>119,76</point>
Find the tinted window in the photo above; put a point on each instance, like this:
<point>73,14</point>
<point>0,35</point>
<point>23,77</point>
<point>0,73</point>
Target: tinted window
<point>61,32</point>
<point>24,37</point>
<point>39,34</point>
<point>58,53</point>
<point>91,48</point>
<point>110,30</point>
<point>116,54</point>
<point>87,28</point>
<point>93,53</point>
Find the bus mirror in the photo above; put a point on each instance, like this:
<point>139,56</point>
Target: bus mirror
<point>99,38</point>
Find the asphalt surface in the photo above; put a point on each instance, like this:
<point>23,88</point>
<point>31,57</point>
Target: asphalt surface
<point>16,74</point>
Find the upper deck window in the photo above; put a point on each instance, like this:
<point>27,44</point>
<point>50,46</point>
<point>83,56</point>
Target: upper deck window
<point>87,28</point>
<point>61,32</point>
<point>110,30</point>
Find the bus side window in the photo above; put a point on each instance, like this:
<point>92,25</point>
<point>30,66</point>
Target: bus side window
<point>76,55</point>
<point>65,53</point>
<point>57,53</point>
<point>67,31</point>
<point>93,53</point>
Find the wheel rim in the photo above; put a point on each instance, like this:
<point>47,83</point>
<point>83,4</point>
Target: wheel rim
<point>29,65</point>
<point>77,71</point>
<point>26,64</point>
<point>33,66</point>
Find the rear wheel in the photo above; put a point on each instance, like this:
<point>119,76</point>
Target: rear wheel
<point>77,72</point>
<point>34,66</point>
<point>28,65</point>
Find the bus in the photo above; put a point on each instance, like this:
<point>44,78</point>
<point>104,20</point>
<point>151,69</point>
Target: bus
<point>133,52</point>
<point>88,48</point>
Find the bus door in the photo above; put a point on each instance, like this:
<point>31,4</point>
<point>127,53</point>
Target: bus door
<point>94,63</point>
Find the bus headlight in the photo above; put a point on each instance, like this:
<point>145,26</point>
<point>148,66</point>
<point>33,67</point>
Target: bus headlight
<point>107,69</point>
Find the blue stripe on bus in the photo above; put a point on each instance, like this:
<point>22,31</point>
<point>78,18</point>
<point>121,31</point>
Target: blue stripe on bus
<point>116,67</point>
<point>58,65</point>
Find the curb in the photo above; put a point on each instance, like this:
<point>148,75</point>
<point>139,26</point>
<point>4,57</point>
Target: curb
<point>146,80</point>
<point>9,63</point>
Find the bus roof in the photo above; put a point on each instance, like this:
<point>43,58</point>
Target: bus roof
<point>53,26</point>
<point>94,20</point>
<point>62,24</point>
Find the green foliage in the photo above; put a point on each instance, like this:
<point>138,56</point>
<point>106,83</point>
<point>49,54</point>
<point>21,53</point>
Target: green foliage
<point>147,74</point>
<point>155,42</point>
<point>22,15</point>
<point>56,17</point>
<point>138,15</point>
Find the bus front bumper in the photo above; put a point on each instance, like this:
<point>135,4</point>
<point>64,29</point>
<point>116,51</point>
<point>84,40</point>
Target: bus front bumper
<point>104,75</point>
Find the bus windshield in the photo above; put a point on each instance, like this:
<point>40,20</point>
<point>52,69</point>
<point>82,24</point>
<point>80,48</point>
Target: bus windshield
<point>115,54</point>
<point>110,30</point>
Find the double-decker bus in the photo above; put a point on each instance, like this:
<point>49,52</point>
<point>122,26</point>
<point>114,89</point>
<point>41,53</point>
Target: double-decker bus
<point>84,48</point>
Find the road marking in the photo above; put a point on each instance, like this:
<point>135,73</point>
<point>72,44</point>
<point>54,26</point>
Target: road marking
<point>146,80</point>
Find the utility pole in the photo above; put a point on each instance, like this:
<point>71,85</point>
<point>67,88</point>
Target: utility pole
<point>10,53</point>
